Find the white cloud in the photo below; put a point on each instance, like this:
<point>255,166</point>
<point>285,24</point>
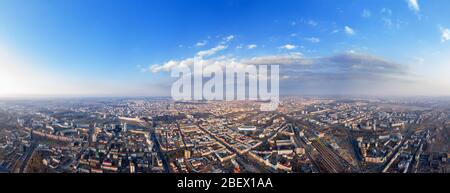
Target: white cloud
<point>351,52</point>
<point>349,31</point>
<point>289,59</point>
<point>312,23</point>
<point>313,40</point>
<point>413,5</point>
<point>366,13</point>
<point>168,65</point>
<point>200,44</point>
<point>386,11</point>
<point>393,23</point>
<point>211,51</point>
<point>289,47</point>
<point>387,22</point>
<point>252,46</point>
<point>350,72</point>
<point>445,36</point>
<point>142,68</point>
<point>223,61</point>
<point>390,22</point>
<point>228,38</point>
<point>296,54</point>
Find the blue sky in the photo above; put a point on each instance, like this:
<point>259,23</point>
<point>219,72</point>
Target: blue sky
<point>100,47</point>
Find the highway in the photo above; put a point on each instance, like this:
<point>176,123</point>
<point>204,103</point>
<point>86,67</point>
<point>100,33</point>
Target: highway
<point>159,151</point>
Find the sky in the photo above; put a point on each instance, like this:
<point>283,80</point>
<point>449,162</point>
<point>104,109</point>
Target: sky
<point>126,48</point>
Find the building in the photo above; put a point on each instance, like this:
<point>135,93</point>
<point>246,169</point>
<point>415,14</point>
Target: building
<point>247,128</point>
<point>124,128</point>
<point>132,168</point>
<point>187,154</point>
<point>374,125</point>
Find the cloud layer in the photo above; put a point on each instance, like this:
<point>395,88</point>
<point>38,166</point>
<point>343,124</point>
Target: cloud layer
<point>347,73</point>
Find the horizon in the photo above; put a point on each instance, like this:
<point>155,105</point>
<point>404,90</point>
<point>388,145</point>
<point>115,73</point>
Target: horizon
<point>342,96</point>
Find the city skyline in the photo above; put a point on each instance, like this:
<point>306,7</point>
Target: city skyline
<point>118,48</point>
<point>160,135</point>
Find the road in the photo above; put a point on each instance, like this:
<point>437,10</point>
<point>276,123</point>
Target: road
<point>26,157</point>
<point>159,151</point>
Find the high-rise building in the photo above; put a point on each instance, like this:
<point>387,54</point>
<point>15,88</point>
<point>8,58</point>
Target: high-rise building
<point>94,137</point>
<point>187,154</point>
<point>31,135</point>
<point>374,125</point>
<point>132,168</point>
<point>124,128</point>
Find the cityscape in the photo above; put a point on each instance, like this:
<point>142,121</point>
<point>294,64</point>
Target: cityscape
<point>159,135</point>
<point>224,86</point>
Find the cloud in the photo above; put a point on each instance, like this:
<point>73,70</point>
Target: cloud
<point>289,47</point>
<point>313,40</point>
<point>252,46</point>
<point>389,22</point>
<point>393,24</point>
<point>349,31</point>
<point>366,13</point>
<point>349,65</point>
<point>413,5</point>
<point>348,73</point>
<point>312,23</point>
<point>211,51</point>
<point>287,59</point>
<point>365,64</point>
<point>386,11</point>
<point>166,67</point>
<point>228,38</point>
<point>418,60</point>
<point>142,68</point>
<point>351,51</point>
<point>200,44</point>
<point>445,34</point>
